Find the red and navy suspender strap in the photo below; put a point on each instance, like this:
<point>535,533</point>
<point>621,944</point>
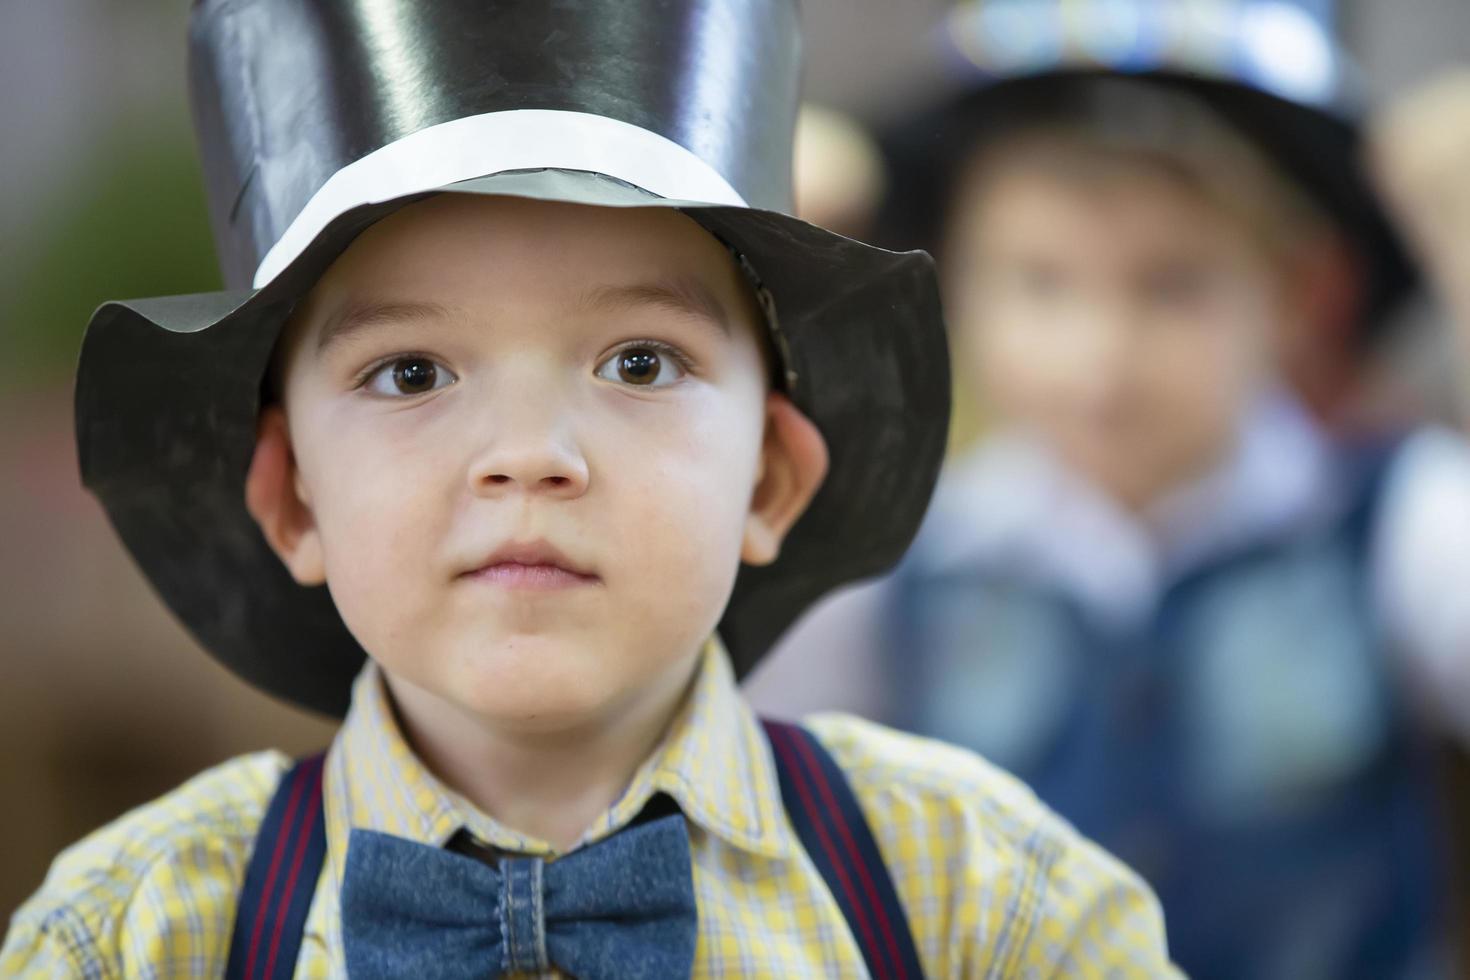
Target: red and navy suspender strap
<point>832,828</point>
<point>281,878</point>
<point>291,847</point>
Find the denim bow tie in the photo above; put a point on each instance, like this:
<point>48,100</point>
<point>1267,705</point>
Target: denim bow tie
<point>623,907</point>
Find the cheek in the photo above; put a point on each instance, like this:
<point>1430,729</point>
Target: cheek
<point>1196,388</point>
<point>375,492</point>
<point>1011,361</point>
<point>678,485</point>
<point>1213,366</point>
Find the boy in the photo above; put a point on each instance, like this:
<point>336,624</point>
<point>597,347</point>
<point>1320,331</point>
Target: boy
<point>1158,590</point>
<point>524,414</point>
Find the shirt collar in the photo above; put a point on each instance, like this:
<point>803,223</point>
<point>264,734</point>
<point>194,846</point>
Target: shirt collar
<point>1278,480</point>
<point>1011,503</point>
<point>714,761</point>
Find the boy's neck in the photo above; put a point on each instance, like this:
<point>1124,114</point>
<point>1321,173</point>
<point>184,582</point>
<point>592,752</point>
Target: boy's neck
<point>548,785</point>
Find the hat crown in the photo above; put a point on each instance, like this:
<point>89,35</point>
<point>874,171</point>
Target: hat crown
<point>288,93</point>
<point>1286,48</point>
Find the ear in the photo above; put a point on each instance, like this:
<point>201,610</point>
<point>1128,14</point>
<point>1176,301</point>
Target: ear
<point>1328,275</point>
<point>1323,301</point>
<point>275,498</point>
<point>793,463</point>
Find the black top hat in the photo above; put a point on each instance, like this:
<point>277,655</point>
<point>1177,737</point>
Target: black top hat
<point>319,117</point>
<point>1272,69</point>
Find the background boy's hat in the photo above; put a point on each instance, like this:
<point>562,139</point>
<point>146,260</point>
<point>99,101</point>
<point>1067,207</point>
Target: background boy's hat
<point>1273,69</point>
<point>318,118</point>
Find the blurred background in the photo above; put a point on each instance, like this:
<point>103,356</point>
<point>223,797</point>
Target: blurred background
<point>105,701</point>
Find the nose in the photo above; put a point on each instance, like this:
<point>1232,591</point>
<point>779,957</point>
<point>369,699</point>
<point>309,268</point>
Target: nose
<point>529,460</point>
<point>1104,349</point>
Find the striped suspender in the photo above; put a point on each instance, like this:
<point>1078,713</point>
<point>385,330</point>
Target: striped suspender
<point>281,878</point>
<point>291,847</point>
<point>832,828</point>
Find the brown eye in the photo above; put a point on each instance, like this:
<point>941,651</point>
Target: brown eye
<point>644,365</point>
<point>409,376</point>
<point>638,366</point>
<point>415,376</point>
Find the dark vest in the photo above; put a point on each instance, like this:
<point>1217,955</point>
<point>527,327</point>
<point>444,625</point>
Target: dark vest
<point>1246,749</point>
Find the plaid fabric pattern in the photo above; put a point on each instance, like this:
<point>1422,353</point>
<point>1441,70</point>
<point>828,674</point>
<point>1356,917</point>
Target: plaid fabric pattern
<point>993,883</point>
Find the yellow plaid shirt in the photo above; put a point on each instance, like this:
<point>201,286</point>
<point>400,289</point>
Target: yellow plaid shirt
<point>993,883</point>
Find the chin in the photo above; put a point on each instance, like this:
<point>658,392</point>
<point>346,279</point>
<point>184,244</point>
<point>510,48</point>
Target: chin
<point>535,681</point>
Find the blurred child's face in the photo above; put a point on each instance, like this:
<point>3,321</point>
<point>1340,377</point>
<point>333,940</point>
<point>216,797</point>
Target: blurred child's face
<point>1120,315</point>
<point>527,445</point>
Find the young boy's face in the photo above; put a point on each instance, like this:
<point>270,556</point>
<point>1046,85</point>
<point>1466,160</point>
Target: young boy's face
<point>1119,314</point>
<point>527,445</point>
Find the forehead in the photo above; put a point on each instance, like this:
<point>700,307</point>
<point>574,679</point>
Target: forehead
<point>446,227</point>
<point>1107,211</point>
<point>468,253</point>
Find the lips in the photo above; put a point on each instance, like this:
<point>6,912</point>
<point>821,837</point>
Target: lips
<point>531,566</point>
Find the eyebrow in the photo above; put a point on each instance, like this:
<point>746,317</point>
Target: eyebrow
<point>683,295</point>
<point>353,317</point>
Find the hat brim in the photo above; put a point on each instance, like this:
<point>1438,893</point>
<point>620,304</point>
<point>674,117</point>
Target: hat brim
<point>168,394</point>
<point>1322,153</point>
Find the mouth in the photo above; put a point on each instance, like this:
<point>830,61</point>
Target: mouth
<point>534,566</point>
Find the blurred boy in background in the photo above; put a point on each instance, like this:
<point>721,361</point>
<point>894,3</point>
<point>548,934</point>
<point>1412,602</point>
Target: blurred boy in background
<point>1206,623</point>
